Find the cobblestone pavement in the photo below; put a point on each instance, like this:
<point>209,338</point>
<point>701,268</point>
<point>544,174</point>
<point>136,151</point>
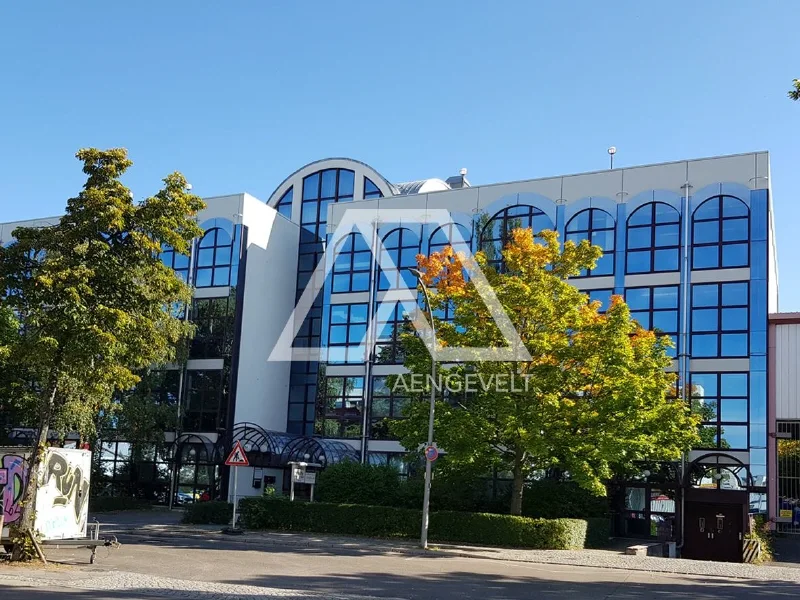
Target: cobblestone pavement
<point>147,585</point>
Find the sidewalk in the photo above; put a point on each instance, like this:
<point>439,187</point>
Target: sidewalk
<point>609,559</point>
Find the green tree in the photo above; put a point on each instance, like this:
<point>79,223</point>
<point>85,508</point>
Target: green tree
<point>794,93</point>
<point>94,301</point>
<point>593,399</point>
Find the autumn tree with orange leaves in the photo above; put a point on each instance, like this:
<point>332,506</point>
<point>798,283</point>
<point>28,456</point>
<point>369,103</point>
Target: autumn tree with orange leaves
<point>593,399</point>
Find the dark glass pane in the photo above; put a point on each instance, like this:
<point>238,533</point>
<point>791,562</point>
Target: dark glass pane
<point>328,183</point>
<point>734,344</point>
<point>665,297</point>
<point>579,222</point>
<point>369,186</point>
<point>341,282</point>
<point>358,313</point>
<point>704,385</point>
<point>706,232</point>
<point>605,265</point>
<point>203,278</point>
<point>733,384</point>
<point>642,318</point>
<point>346,179</point>
<point>309,213</point>
<point>604,239</point>
<point>705,295</point>
<point>285,210</point>
<point>639,237</point>
<point>734,255</point>
<point>666,214</point>
<point>638,262</point>
<point>356,334</point>
<point>339,313</point>
<point>223,238</point>
<point>733,207</point>
<point>360,282</point>
<point>705,319</point>
<point>223,256</point>
<point>222,276</point>
<point>180,261</point>
<point>734,230</point>
<point>208,239</point>
<point>666,321</point>
<point>667,235</point>
<point>704,345</point>
<point>708,209</point>
<point>205,257</point>
<point>311,187</point>
<point>642,215</point>
<point>734,294</point>
<point>665,260</point>
<point>638,298</point>
<point>733,436</point>
<point>733,410</point>
<point>705,257</point>
<point>734,319</point>
<point>602,220</point>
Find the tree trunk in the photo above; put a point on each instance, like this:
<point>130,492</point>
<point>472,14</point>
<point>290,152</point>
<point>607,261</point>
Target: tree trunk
<point>26,521</point>
<point>519,483</point>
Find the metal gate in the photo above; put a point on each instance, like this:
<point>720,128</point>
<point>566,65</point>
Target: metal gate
<point>789,477</point>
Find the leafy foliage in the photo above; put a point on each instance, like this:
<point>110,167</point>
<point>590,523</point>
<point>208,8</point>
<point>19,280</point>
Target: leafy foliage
<point>95,304</point>
<point>597,394</point>
<point>387,522</point>
<point>794,93</point>
<point>208,513</point>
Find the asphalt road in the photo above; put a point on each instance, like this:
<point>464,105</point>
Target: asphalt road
<point>352,574</point>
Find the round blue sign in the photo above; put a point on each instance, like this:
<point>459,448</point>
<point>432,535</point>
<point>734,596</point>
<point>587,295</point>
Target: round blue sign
<point>431,453</point>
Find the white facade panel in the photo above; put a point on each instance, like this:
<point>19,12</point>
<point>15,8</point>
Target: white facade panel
<point>269,290</point>
<point>787,371</point>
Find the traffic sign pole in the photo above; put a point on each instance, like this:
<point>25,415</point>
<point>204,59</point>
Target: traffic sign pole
<point>235,489</point>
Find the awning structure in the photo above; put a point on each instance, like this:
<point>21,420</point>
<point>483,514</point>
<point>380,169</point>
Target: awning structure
<point>276,449</point>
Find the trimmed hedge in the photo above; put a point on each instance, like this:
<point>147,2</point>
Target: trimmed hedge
<point>598,532</point>
<point>208,513</point>
<point>114,503</point>
<point>389,522</point>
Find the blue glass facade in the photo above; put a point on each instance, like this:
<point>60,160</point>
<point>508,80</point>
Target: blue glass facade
<point>691,267</point>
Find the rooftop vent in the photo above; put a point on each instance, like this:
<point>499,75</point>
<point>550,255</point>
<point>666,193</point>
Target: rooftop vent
<point>458,181</point>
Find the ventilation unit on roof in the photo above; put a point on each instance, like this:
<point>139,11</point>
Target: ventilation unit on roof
<point>458,181</point>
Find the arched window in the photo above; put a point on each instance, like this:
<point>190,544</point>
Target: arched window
<point>654,239</point>
<point>352,265</point>
<point>495,234</point>
<point>720,234</point>
<point>371,190</point>
<point>176,261</point>
<point>285,203</point>
<point>401,246</point>
<point>446,235</point>
<point>215,259</point>
<point>596,226</point>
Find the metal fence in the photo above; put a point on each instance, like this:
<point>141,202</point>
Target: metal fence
<point>789,477</point>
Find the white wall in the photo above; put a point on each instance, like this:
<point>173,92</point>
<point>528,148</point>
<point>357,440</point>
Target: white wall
<point>787,371</point>
<point>269,292</point>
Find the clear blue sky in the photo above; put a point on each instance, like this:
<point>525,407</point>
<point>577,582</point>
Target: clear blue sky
<point>239,95</point>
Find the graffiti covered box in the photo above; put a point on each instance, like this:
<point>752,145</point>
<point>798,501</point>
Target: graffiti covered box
<point>62,501</point>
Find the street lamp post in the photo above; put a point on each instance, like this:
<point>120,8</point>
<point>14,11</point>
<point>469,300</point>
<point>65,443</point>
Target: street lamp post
<point>428,463</point>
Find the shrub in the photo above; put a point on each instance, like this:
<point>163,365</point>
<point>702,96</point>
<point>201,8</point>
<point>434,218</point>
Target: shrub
<point>598,532</point>
<point>353,483</point>
<point>549,499</point>
<point>208,513</point>
<point>115,503</point>
<point>390,522</point>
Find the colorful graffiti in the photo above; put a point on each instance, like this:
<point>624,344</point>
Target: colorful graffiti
<point>13,475</point>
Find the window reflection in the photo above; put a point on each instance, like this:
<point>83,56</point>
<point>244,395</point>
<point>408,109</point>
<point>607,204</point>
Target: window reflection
<point>496,233</point>
<point>720,234</point>
<point>596,226</point>
<point>720,320</point>
<point>653,239</point>
<point>656,308</point>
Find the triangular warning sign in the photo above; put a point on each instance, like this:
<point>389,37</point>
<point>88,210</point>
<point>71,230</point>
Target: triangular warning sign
<point>237,457</point>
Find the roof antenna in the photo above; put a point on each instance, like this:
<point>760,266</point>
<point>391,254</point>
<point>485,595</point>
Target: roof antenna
<point>611,152</point>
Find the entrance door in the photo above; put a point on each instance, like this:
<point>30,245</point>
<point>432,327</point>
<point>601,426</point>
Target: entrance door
<point>713,532</point>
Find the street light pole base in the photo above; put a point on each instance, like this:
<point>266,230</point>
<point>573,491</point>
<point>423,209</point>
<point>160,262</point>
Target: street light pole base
<point>233,531</point>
